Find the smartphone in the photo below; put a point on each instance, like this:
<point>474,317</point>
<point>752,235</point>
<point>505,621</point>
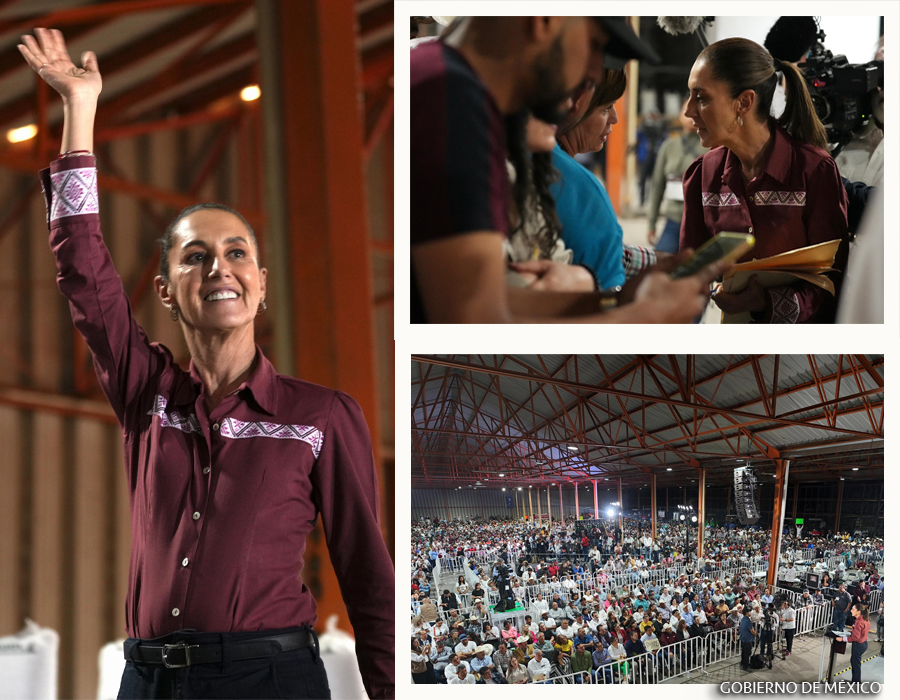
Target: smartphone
<point>726,246</point>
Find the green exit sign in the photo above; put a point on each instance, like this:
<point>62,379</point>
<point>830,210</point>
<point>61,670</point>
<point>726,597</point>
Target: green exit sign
<point>799,521</point>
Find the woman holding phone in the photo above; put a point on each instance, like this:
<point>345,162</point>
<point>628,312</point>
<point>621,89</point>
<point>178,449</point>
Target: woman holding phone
<point>770,178</point>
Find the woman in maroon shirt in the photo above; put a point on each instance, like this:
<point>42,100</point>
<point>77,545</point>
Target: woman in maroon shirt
<point>229,464</point>
<point>772,178</point>
<point>860,638</point>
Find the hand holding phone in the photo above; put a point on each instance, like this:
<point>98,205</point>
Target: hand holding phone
<point>725,247</point>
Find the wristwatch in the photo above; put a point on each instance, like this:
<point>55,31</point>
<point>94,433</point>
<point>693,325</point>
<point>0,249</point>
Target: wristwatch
<point>610,298</point>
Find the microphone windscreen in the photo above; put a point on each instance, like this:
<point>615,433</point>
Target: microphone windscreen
<point>791,37</point>
<point>680,25</point>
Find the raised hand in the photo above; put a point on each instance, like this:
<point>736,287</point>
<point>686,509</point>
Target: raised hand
<point>47,55</point>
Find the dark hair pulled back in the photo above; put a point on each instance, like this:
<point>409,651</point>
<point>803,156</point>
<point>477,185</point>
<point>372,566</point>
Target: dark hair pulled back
<point>745,65</point>
<point>165,243</point>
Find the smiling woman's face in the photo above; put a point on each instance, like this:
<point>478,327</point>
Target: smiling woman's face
<point>215,279</point>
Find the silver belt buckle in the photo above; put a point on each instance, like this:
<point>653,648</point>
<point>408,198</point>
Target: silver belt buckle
<point>179,645</point>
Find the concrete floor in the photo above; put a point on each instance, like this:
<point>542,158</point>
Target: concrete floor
<point>802,665</point>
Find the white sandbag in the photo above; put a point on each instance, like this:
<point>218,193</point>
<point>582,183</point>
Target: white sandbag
<point>29,663</point>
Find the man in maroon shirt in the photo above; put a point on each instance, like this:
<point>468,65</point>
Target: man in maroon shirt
<point>229,464</point>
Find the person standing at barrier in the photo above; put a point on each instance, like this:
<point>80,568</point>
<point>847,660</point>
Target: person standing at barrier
<point>841,604</point>
<point>747,637</point>
<point>788,624</point>
<point>860,639</point>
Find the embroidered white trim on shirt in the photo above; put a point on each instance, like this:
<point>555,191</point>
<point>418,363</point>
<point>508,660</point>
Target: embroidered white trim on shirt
<point>720,199</point>
<point>174,419</point>
<point>74,193</point>
<point>233,428</point>
<point>787,198</point>
<point>238,429</point>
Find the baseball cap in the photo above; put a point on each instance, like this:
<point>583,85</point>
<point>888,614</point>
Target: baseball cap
<point>624,44</point>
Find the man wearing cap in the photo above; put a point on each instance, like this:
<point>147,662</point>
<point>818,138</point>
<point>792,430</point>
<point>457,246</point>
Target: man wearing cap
<point>466,647</point>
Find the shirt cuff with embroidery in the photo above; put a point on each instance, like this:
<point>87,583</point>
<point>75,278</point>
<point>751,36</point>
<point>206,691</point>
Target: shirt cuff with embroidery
<point>70,187</point>
<point>784,305</point>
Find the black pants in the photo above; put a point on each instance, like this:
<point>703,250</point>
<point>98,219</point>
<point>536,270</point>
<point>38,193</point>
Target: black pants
<point>299,673</point>
<point>859,648</point>
<point>746,651</point>
<point>789,639</point>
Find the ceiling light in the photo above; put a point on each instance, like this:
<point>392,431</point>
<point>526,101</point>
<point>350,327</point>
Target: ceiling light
<point>669,469</point>
<point>501,474</point>
<point>504,488</point>
<point>250,93</point>
<point>553,484</point>
<point>23,133</point>
<point>855,469</point>
<point>520,488</point>
<point>842,478</point>
<point>572,448</point>
<point>529,485</point>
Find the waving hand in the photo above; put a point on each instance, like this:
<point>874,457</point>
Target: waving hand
<point>47,55</point>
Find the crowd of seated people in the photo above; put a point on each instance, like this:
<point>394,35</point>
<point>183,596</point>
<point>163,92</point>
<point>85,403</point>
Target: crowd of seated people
<point>576,614</point>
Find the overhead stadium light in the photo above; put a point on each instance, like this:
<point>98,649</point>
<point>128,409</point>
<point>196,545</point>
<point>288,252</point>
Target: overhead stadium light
<point>23,133</point>
<point>250,93</point>
<point>572,448</point>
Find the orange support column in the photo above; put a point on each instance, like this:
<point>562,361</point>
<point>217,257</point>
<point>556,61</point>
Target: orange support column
<point>653,505</point>
<point>577,512</point>
<point>596,508</point>
<point>782,467</point>
<point>315,137</point>
<point>701,511</point>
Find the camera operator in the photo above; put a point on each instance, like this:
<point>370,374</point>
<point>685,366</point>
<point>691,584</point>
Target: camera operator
<point>788,624</point>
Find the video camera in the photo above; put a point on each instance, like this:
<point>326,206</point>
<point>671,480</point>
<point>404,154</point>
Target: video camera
<point>845,95</point>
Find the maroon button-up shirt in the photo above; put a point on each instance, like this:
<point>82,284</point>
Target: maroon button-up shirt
<point>797,200</point>
<point>222,502</point>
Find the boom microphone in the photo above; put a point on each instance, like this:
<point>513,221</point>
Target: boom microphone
<point>790,38</point>
<point>686,25</point>
<point>680,25</point>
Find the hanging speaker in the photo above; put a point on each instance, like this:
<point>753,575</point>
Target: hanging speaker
<point>745,496</point>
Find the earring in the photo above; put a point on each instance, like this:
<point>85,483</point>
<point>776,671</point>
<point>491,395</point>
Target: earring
<point>173,313</point>
<point>740,120</point>
<point>262,308</point>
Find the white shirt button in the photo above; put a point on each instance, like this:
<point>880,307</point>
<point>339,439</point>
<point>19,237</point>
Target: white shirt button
<point>176,612</point>
<point>196,516</point>
<point>184,562</point>
<point>206,470</point>
<point>216,427</point>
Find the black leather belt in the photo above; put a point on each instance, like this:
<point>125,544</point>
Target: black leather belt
<point>183,654</point>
